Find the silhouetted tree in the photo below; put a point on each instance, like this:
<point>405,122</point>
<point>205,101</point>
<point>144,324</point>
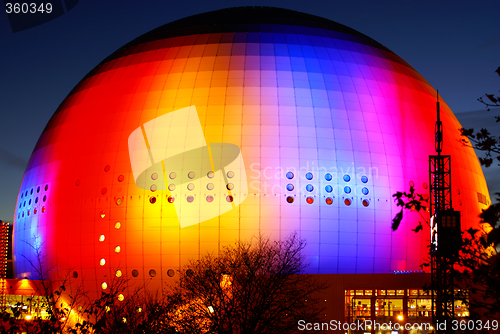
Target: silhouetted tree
<point>255,287</point>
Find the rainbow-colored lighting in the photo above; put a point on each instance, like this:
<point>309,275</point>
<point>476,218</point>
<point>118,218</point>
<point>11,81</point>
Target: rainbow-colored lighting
<point>231,124</point>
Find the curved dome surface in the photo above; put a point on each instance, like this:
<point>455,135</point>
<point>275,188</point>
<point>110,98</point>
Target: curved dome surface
<point>232,123</point>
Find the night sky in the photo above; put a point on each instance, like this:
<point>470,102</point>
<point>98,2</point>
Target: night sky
<point>454,44</point>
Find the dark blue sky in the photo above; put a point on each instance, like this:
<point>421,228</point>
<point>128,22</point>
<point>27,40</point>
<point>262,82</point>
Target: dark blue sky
<point>454,44</point>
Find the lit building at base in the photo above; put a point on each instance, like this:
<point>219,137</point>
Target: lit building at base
<point>234,123</point>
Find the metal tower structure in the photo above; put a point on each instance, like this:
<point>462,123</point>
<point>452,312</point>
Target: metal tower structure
<point>445,231</point>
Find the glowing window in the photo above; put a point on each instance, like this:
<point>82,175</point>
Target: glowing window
<point>118,273</point>
<point>366,202</point>
<point>103,214</point>
<point>328,177</point>
<point>102,238</point>
<point>43,209</point>
<point>347,201</point>
<point>171,199</point>
<point>121,297</point>
<point>329,200</point>
<point>117,249</point>
<point>104,285</point>
<point>309,176</point>
<point>347,178</point>
<point>289,187</point>
<point>102,262</point>
<point>309,187</point>
<point>118,225</point>
<point>310,200</point>
<point>289,175</point>
<point>118,201</point>
<point>347,189</point>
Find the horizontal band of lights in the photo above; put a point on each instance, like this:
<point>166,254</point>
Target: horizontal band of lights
<point>175,147</point>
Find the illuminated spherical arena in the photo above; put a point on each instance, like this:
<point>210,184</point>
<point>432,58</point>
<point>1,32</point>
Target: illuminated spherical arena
<point>230,124</point>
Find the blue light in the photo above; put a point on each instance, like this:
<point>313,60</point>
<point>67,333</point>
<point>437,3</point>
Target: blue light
<point>309,176</point>
<point>328,189</point>
<point>289,187</point>
<point>289,175</point>
<point>328,176</point>
<point>365,191</point>
<point>347,178</point>
<point>347,189</point>
<point>364,178</point>
<point>309,187</point>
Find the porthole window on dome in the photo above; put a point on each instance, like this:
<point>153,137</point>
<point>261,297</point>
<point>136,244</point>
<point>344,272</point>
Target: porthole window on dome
<point>328,177</point>
<point>329,200</point>
<point>135,273</point>
<point>171,187</point>
<point>152,273</point>
<point>310,200</point>
<point>347,201</point>
<point>229,198</point>
<point>210,175</point>
<point>309,176</point>
<point>191,175</point>
<point>152,200</point>
<point>170,273</point>
<point>309,187</point>
<point>153,187</point>
<point>230,186</point>
<point>210,186</point>
<point>154,176</point>
<point>347,189</point>
<point>347,178</point>
<point>366,202</point>
<point>289,175</point>
<point>170,199</point>
<point>289,187</point>
<point>121,178</point>
<point>38,189</point>
<point>190,199</point>
<point>365,191</point>
<point>364,178</point>
<point>230,174</point>
<point>210,199</point>
<point>107,168</point>
<point>290,199</point>
<point>190,186</point>
<point>172,175</point>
